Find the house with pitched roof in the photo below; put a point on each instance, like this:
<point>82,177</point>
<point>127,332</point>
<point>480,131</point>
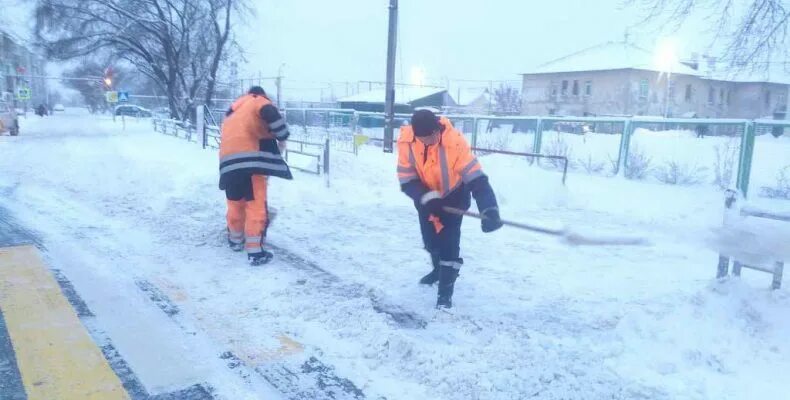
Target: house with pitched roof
<point>620,78</point>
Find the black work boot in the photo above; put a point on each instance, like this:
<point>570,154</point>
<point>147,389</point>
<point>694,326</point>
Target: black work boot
<point>236,242</point>
<point>432,276</point>
<point>235,246</point>
<point>448,273</point>
<point>260,258</point>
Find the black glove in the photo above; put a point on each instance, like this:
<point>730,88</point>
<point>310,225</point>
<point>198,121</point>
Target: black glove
<point>491,220</point>
<point>433,203</point>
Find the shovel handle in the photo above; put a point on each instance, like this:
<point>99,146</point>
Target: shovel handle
<point>533,228</point>
<point>567,236</point>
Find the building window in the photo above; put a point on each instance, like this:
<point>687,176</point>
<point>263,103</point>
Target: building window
<point>711,95</point>
<point>688,94</point>
<point>781,100</point>
<point>643,89</point>
<point>564,88</point>
<point>588,88</point>
<point>575,88</point>
<point>729,97</point>
<point>553,90</point>
<point>671,90</point>
<point>768,98</point>
<point>721,96</point>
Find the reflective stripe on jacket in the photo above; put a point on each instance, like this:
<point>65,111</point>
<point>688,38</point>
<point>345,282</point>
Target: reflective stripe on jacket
<point>247,144</point>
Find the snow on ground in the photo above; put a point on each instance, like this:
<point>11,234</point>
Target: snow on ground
<point>534,318</point>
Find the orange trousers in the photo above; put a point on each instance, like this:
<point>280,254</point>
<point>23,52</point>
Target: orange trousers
<point>247,219</point>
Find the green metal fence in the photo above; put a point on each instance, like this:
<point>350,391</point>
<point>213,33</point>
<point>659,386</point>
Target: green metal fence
<point>681,151</point>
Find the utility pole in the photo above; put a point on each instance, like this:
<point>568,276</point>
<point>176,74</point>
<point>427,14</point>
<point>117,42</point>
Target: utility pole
<point>279,83</point>
<point>389,105</point>
<point>490,96</point>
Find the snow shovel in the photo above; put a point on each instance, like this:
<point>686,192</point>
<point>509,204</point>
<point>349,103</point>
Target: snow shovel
<point>565,234</point>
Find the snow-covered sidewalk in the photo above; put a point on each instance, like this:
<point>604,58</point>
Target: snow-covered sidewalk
<point>534,318</point>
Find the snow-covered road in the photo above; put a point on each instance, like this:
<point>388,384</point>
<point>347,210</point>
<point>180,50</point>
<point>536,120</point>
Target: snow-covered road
<point>135,221</point>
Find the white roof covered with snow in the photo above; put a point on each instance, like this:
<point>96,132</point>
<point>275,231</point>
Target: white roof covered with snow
<point>609,56</point>
<point>464,97</point>
<point>777,73</point>
<point>403,95</point>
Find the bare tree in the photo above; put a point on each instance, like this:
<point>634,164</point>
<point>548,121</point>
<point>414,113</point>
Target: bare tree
<point>507,100</point>
<point>180,44</point>
<point>753,33</point>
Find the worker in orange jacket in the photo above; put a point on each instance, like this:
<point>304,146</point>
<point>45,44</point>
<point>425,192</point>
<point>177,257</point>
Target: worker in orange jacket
<point>252,137</point>
<point>437,169</point>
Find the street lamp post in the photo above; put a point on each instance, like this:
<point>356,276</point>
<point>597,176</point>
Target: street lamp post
<point>666,97</point>
<point>666,57</point>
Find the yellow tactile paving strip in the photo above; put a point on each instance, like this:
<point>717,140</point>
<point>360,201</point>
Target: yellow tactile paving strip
<point>55,354</point>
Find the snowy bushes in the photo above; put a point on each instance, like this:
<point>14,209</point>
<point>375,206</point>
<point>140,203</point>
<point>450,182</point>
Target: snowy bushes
<point>677,173</point>
<point>557,147</point>
<point>724,164</point>
<point>494,140</point>
<point>590,165</point>
<point>782,188</point>
<point>637,166</point>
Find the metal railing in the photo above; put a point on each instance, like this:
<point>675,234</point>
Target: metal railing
<point>180,129</point>
<point>319,151</point>
<point>208,135</point>
<point>723,152</point>
<point>530,157</point>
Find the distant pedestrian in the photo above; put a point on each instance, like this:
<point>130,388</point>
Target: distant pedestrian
<point>41,110</point>
<point>702,130</point>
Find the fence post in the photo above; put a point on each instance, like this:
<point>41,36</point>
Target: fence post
<point>201,123</point>
<point>745,160</point>
<point>474,132</point>
<point>538,139</point>
<point>326,161</point>
<point>625,147</point>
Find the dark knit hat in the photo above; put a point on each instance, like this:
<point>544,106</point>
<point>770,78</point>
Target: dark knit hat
<point>424,123</point>
<point>257,90</point>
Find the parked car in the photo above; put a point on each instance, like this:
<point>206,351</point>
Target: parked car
<point>8,120</point>
<point>20,111</point>
<point>164,111</point>
<point>59,107</point>
<point>131,110</point>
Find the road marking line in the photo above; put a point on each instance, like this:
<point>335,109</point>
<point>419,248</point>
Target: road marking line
<point>56,356</point>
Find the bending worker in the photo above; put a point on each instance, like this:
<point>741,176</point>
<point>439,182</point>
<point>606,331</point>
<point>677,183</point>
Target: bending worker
<point>437,169</point>
<point>253,135</point>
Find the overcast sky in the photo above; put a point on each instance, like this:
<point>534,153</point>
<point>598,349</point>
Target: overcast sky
<point>319,41</point>
<point>345,40</point>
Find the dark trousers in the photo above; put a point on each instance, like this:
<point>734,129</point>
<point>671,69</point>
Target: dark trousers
<point>447,243</point>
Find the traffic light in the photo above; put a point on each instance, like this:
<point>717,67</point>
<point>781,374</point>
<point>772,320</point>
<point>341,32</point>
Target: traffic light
<point>108,78</point>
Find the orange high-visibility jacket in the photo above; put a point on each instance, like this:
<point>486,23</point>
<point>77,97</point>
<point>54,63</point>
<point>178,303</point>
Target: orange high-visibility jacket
<point>248,145</point>
<point>442,167</point>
